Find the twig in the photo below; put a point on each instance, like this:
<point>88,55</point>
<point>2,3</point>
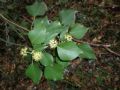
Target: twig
<point>109,50</point>
<point>10,42</point>
<point>92,44</point>
<point>99,45</point>
<point>30,21</point>
<point>13,23</point>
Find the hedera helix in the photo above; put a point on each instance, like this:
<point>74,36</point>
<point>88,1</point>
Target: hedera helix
<point>52,43</point>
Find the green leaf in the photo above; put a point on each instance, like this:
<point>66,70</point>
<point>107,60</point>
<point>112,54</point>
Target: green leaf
<point>38,22</point>
<point>54,72</point>
<point>87,51</point>
<point>33,72</point>
<point>38,47</point>
<point>37,35</point>
<point>47,59</point>
<point>64,64</point>
<point>63,33</point>
<point>78,31</point>
<point>53,30</point>
<point>54,27</point>
<point>68,51</point>
<point>67,17</point>
<point>37,8</point>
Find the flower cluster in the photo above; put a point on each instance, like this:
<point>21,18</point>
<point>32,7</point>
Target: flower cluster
<point>53,43</point>
<point>23,51</point>
<point>37,56</point>
<point>68,37</point>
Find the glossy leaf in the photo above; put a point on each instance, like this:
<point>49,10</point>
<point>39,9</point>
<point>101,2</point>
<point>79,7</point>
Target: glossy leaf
<point>61,62</point>
<point>37,22</point>
<point>38,47</point>
<point>37,35</point>
<point>78,31</point>
<point>33,72</point>
<point>47,59</point>
<point>54,72</point>
<point>37,8</point>
<point>87,51</point>
<point>54,27</point>
<point>53,30</point>
<point>62,34</point>
<point>68,51</point>
<point>67,17</point>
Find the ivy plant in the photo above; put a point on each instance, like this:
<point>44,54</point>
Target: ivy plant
<point>53,45</point>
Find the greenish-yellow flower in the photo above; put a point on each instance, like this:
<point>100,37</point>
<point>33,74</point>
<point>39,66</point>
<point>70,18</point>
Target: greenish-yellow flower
<point>37,56</point>
<point>23,51</point>
<point>53,43</point>
<point>68,37</point>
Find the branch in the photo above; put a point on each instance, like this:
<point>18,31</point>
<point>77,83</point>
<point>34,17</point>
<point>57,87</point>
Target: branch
<point>30,21</point>
<point>10,42</point>
<point>109,50</point>
<point>13,23</point>
<point>92,44</point>
<point>106,46</point>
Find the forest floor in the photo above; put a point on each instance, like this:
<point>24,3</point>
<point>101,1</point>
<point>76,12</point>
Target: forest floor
<point>103,19</point>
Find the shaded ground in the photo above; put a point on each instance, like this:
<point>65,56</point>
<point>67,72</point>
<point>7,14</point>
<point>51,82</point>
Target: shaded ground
<point>103,18</point>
